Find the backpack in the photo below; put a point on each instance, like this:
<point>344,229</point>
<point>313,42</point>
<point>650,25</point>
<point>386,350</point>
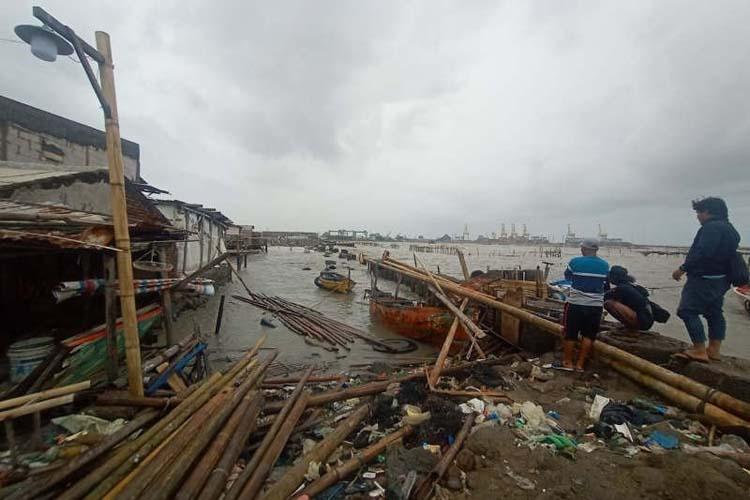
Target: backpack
<point>738,272</point>
<point>660,314</point>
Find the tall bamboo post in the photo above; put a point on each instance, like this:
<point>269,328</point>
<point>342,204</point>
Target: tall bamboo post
<point>120,218</point>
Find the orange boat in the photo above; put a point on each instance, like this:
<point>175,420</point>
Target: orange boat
<point>416,321</point>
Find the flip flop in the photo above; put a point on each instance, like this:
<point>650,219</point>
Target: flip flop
<point>688,356</point>
<point>559,366</point>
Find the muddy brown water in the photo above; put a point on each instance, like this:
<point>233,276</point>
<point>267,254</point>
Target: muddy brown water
<point>281,272</point>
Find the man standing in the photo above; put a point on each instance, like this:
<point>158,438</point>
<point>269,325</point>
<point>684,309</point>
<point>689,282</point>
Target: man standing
<point>583,307</point>
<point>707,266</point>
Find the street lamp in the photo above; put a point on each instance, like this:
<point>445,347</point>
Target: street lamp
<point>47,42</point>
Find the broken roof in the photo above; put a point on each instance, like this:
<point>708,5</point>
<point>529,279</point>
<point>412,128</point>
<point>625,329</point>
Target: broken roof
<point>211,213</point>
<point>41,225</point>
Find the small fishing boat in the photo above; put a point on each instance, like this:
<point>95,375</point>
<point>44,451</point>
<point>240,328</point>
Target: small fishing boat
<point>334,282</point>
<point>415,320</point>
<point>743,293</point>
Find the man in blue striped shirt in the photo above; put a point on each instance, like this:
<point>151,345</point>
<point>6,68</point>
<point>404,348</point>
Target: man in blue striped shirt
<point>583,306</point>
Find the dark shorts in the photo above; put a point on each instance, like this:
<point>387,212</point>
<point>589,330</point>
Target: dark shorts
<point>583,320</point>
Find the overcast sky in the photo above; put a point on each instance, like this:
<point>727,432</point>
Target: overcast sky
<point>419,117</point>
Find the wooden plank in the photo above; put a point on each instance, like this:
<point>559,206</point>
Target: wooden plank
<point>510,326</point>
<point>174,381</point>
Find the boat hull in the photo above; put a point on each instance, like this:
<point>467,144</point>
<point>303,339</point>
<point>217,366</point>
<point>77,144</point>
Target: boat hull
<point>418,322</point>
<point>339,286</point>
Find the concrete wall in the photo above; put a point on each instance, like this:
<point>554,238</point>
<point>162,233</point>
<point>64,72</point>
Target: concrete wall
<point>19,144</point>
<point>85,196</point>
<point>203,238</point>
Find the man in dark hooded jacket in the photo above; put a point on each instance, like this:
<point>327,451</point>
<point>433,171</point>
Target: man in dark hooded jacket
<point>707,266</point>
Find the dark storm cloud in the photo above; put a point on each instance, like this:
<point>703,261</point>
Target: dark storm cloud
<point>418,117</point>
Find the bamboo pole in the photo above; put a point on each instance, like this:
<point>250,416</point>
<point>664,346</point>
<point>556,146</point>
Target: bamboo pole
<point>294,476</point>
<point>102,479</point>
<point>359,460</point>
<point>127,457</point>
<point>200,428</point>
<point>690,386</point>
<point>681,382</point>
<point>254,485</point>
<point>193,484</point>
<point>218,476</point>
<point>36,407</point>
<point>145,462</point>
<point>127,400</point>
<point>168,482</point>
<point>473,331</point>
<point>249,470</point>
<point>120,219</point>
<point>40,396</point>
<point>445,349</point>
<point>67,471</point>
<point>681,398</point>
<point>424,489</point>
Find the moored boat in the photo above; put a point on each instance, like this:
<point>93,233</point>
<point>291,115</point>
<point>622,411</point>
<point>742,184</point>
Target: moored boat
<point>415,320</point>
<point>743,293</point>
<point>334,282</point>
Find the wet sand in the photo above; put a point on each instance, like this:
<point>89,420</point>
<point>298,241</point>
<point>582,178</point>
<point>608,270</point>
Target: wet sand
<point>281,273</point>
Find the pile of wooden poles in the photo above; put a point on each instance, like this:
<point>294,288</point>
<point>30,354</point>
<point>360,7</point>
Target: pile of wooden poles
<point>328,333</point>
<point>716,406</point>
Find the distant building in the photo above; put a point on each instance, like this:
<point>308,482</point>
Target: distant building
<point>31,135</point>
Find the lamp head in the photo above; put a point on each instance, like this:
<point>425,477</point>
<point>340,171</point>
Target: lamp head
<point>45,43</point>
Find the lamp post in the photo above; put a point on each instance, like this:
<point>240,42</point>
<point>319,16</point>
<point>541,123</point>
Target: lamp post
<point>48,41</point>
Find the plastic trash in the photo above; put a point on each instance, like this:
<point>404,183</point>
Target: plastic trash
<point>472,406</point>
<point>597,406</point>
<point>80,422</point>
<point>666,441</point>
<point>559,441</point>
<point>624,430</point>
<point>534,416</point>
<point>521,482</point>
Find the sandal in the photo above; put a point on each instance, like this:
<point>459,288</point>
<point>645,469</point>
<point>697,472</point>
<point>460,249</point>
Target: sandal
<point>686,355</point>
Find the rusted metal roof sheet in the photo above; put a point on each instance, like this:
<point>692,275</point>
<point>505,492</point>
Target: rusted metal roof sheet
<point>34,225</point>
<point>92,238</point>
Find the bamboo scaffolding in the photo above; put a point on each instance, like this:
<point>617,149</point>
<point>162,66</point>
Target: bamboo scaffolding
<point>294,476</point>
<point>352,465</point>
